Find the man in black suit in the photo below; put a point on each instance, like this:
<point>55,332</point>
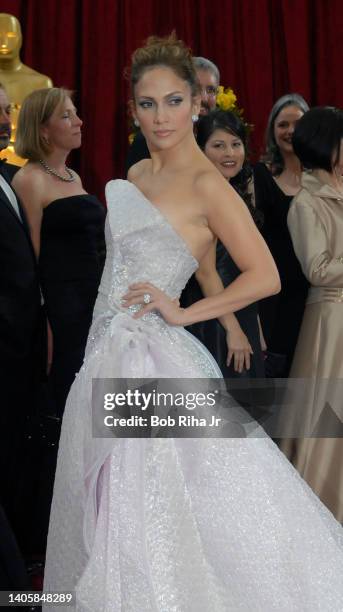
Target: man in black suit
<point>19,324</point>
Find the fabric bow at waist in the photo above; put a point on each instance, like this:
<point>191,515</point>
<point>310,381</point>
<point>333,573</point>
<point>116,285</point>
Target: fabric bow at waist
<point>135,340</point>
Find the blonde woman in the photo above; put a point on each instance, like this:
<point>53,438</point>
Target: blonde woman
<point>67,228</point>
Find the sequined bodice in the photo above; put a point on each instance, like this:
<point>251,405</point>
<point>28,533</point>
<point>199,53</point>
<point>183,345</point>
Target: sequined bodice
<point>141,246</point>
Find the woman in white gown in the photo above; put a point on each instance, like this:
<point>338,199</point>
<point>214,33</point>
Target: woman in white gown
<point>178,525</point>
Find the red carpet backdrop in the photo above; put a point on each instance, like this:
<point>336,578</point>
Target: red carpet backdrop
<point>264,48</point>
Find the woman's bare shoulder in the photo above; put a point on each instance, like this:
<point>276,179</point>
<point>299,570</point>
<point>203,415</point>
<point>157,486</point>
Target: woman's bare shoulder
<point>207,176</point>
<point>138,169</point>
<point>28,177</point>
<point>210,186</point>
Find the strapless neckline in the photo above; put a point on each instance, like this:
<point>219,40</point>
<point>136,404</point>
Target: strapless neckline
<point>163,218</point>
<point>71,197</point>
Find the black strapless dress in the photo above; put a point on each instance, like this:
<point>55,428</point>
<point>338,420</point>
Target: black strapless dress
<point>212,334</point>
<point>71,261</point>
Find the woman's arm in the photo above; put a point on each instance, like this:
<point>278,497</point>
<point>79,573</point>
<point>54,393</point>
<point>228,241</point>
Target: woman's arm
<point>230,220</point>
<point>211,284</point>
<point>311,244</point>
<point>30,188</point>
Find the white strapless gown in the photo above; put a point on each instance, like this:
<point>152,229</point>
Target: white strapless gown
<point>175,525</point>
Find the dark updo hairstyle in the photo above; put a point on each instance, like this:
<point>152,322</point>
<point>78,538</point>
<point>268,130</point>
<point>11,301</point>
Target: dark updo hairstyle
<point>232,124</point>
<point>169,52</point>
<point>317,138</point>
<point>273,157</point>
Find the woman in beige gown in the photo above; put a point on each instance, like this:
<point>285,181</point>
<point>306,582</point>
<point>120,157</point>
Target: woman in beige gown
<point>315,221</point>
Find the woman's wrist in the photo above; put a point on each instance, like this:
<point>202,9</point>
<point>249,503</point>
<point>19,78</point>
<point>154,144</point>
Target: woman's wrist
<point>184,317</point>
<point>229,322</point>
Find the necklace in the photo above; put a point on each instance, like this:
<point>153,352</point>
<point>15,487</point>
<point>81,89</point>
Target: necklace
<point>71,176</point>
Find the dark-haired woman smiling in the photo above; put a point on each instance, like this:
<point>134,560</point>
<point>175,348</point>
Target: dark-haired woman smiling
<point>315,222</point>
<point>235,340</point>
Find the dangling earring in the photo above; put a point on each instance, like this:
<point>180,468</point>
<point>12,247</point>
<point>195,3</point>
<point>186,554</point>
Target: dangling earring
<point>136,122</point>
<point>195,118</point>
<point>46,140</point>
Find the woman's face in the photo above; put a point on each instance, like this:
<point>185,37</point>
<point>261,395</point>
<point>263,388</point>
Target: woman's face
<point>226,152</point>
<point>63,129</point>
<point>164,105</point>
<point>284,126</point>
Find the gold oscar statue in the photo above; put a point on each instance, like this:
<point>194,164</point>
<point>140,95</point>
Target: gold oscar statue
<point>18,79</point>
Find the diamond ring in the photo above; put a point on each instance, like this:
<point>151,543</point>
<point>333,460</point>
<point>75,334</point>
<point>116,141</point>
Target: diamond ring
<point>146,298</point>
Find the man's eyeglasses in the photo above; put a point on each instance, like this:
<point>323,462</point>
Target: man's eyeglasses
<point>210,90</point>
